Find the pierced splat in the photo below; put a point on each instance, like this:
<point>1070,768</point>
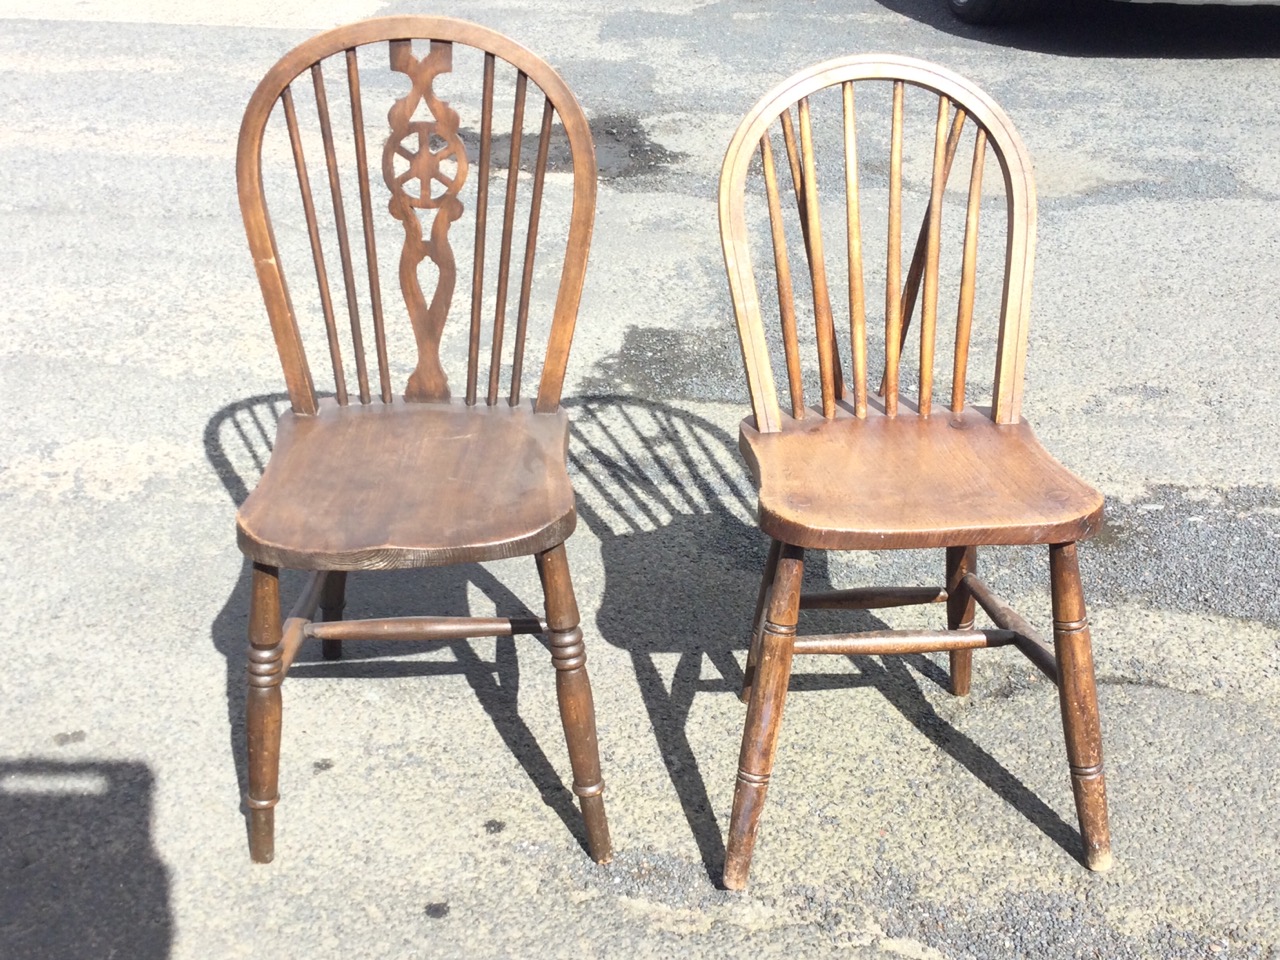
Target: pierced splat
<point>428,380</point>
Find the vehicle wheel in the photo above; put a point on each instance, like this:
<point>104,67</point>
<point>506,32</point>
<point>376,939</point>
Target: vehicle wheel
<point>993,11</point>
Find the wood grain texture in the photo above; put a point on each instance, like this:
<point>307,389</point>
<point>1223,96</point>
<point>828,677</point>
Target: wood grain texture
<point>409,485</point>
<point>893,482</point>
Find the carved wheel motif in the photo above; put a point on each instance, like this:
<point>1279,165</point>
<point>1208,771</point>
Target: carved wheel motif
<point>434,190</point>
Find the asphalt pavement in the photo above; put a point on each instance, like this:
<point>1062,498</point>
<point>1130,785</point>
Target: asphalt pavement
<point>424,807</point>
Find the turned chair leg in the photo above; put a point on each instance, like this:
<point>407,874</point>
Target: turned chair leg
<point>332,602</point>
<point>757,622</point>
<point>573,689</point>
<point>1078,695</point>
<point>960,609</point>
<point>764,714</point>
<point>263,711</point>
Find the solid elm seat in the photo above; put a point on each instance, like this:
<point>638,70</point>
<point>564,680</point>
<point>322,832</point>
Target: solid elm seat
<point>946,480</point>
<point>396,476</point>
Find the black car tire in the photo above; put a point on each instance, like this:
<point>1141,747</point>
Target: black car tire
<point>993,11</point>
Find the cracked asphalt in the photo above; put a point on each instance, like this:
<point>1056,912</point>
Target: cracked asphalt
<point>424,807</point>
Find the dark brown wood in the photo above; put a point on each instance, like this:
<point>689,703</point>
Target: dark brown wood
<point>828,365</point>
<point>366,221</point>
<point>425,628</point>
<point>1027,638</point>
<point>870,643</point>
<point>508,229</point>
<point>1079,699</point>
<point>961,561</point>
<point>577,709</point>
<point>262,711</point>
<point>871,598</point>
<point>764,715</point>
<point>344,239</point>
<point>786,294</point>
<point>757,621</point>
<point>482,218</point>
<point>332,603</point>
<point>897,475</point>
<point>431,482</point>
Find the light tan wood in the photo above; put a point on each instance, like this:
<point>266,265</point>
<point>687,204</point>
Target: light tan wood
<point>968,273</point>
<point>873,643</point>
<point>530,249</point>
<point>929,309</point>
<point>892,482</point>
<point>786,296</point>
<point>857,288</point>
<point>826,334</point>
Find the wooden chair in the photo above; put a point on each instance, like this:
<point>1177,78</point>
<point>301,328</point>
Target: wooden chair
<point>372,481</point>
<point>859,471</point>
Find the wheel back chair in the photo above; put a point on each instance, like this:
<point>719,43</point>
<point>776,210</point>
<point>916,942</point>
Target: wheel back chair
<point>367,480</point>
<point>862,472</point>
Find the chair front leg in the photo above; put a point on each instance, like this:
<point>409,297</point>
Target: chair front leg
<point>764,714</point>
<point>332,603</point>
<point>263,709</point>
<point>573,690</point>
<point>1078,695</point>
<point>960,610</point>
<point>757,622</point>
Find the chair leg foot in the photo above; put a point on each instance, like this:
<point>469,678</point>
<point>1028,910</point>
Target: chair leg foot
<point>577,707</point>
<point>960,611</point>
<point>263,711</point>
<point>332,603</point>
<point>1078,697</point>
<point>757,622</point>
<point>764,715</point>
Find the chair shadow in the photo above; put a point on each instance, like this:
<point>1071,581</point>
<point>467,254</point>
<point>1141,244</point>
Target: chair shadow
<point>237,442</point>
<point>668,499</point>
<point>1101,28</point>
<point>79,873</point>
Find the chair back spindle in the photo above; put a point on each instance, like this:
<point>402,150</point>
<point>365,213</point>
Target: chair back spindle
<point>959,108</point>
<point>428,182</point>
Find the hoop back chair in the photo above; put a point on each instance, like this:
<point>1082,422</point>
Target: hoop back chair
<point>370,480</point>
<point>862,470</point>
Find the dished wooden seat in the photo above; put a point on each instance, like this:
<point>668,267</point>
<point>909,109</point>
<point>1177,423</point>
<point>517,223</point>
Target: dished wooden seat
<point>399,480</point>
<point>956,480</point>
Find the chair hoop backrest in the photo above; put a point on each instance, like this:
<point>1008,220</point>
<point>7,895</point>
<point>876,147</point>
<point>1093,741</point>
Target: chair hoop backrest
<point>752,137</point>
<point>427,382</point>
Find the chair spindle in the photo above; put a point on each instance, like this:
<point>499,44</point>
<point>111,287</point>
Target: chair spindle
<point>482,210</point>
<point>825,326</point>
<point>530,246</point>
<point>317,250</point>
<point>782,266</point>
<point>508,227</point>
<point>929,309</point>
<point>366,216</point>
<point>968,271</point>
<point>340,223</point>
<point>893,268</point>
<point>857,289</point>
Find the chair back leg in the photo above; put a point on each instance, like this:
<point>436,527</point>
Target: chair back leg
<point>960,609</point>
<point>573,689</point>
<point>262,721</point>
<point>1078,695</point>
<point>332,603</point>
<point>764,714</point>
<point>757,622</point>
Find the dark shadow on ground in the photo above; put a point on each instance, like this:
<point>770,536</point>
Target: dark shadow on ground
<point>1101,28</point>
<point>665,493</point>
<point>79,874</point>
<point>238,442</point>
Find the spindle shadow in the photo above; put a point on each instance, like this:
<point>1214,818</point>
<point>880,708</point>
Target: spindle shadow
<point>666,495</point>
<point>79,872</point>
<point>238,440</point>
